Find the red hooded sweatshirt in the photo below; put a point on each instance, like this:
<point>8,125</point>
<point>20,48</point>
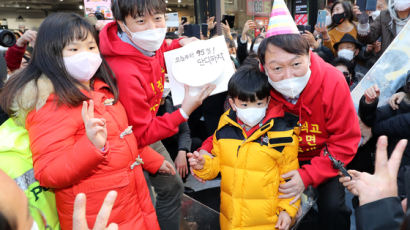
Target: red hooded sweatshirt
<point>140,81</point>
<point>327,115</point>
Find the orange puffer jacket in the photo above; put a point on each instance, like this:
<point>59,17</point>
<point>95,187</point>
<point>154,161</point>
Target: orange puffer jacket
<point>65,159</point>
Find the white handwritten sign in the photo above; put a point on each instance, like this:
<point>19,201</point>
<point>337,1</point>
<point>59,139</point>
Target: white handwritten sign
<point>197,64</point>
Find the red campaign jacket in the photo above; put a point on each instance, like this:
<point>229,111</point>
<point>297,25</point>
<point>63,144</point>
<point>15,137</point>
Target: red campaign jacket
<point>13,57</point>
<point>141,82</point>
<point>327,115</point>
<point>65,159</point>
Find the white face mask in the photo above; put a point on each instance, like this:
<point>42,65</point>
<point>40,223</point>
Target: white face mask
<point>82,66</point>
<point>34,226</point>
<point>401,5</point>
<point>233,56</point>
<point>149,40</point>
<point>346,54</point>
<point>328,20</point>
<point>375,14</point>
<point>255,48</point>
<point>291,87</point>
<point>251,116</point>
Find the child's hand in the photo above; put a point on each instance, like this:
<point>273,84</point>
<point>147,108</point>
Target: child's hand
<point>196,160</point>
<point>95,128</point>
<point>284,221</point>
<point>167,168</point>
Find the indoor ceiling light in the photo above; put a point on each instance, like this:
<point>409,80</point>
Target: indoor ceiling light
<point>166,1</point>
<point>28,7</point>
<point>80,7</point>
<point>179,1</point>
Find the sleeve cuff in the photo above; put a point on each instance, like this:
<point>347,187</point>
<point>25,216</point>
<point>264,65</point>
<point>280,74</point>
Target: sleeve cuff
<point>305,177</point>
<point>184,115</point>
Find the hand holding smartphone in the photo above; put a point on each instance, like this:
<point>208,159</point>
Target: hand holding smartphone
<point>321,18</point>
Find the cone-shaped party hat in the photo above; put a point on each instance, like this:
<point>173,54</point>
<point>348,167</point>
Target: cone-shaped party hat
<point>281,22</point>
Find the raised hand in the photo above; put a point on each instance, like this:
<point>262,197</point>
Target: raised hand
<point>371,94</point>
<point>79,216</point>
<point>95,128</point>
<point>383,183</point>
<point>396,99</point>
<point>190,103</point>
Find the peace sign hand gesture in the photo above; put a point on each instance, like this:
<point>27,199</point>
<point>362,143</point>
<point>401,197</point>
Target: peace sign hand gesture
<point>95,128</point>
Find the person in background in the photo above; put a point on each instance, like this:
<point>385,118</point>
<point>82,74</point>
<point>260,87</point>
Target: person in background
<point>15,54</point>
<point>386,26</point>
<point>251,148</point>
<point>179,144</point>
<point>347,68</point>
<point>349,48</point>
<point>232,51</point>
<point>80,138</point>
<point>342,23</point>
<point>243,41</point>
<point>384,120</point>
<point>134,46</point>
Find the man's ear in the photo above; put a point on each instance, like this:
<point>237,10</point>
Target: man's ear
<point>356,52</point>
<point>232,104</point>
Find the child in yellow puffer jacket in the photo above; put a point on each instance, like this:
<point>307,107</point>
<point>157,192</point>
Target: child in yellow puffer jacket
<point>255,143</point>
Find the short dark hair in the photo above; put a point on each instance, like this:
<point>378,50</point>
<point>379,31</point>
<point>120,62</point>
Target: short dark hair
<point>55,33</point>
<point>249,84</point>
<point>349,65</point>
<point>291,43</point>
<point>348,11</point>
<point>122,8</point>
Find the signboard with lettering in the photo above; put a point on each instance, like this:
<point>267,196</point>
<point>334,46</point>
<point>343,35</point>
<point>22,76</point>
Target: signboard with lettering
<point>258,7</point>
<point>197,64</point>
<point>98,6</point>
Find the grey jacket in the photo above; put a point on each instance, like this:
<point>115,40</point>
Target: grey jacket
<point>383,27</point>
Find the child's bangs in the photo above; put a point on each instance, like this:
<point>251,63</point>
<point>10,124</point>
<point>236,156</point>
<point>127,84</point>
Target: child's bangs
<point>78,32</point>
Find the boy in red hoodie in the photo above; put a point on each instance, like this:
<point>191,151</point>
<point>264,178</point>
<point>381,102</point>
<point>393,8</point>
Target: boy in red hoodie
<point>134,48</point>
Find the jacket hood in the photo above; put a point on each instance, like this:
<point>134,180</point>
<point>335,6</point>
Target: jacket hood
<point>32,96</point>
<point>312,88</point>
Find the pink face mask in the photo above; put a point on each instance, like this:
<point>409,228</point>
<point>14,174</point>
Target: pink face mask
<point>82,66</point>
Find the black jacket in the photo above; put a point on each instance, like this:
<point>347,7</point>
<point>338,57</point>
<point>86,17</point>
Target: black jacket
<point>384,214</point>
<point>392,123</point>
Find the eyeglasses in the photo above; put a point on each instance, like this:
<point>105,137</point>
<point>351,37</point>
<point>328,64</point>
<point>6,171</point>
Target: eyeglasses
<point>346,74</point>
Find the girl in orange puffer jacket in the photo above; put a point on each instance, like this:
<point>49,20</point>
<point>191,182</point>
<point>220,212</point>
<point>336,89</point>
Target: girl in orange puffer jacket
<point>79,134</point>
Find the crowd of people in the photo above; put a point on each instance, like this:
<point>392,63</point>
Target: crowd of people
<point>86,114</point>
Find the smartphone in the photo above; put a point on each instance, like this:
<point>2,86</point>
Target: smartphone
<point>371,5</point>
<point>303,28</point>
<point>192,30</point>
<point>184,19</point>
<point>204,29</point>
<point>321,18</point>
<point>230,19</point>
<point>361,4</point>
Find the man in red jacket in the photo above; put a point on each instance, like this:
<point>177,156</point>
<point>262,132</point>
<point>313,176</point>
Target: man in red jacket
<point>317,92</point>
<point>134,48</point>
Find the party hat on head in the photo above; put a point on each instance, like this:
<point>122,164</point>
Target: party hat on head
<point>281,22</point>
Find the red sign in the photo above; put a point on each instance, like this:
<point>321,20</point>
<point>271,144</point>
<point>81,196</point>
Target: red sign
<point>258,7</point>
<point>261,22</point>
<point>301,19</point>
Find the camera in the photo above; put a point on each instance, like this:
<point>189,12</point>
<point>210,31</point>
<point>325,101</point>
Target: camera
<point>7,38</point>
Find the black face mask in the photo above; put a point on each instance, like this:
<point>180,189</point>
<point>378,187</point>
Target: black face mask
<point>338,18</point>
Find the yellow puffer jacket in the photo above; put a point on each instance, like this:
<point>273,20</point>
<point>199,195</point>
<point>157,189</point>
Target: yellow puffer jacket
<point>250,168</point>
